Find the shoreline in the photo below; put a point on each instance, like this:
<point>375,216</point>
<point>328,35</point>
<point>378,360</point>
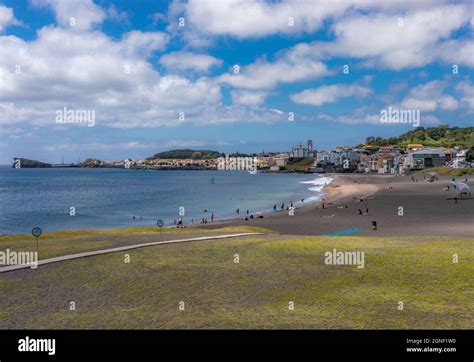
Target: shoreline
<point>397,205</point>
<point>431,210</point>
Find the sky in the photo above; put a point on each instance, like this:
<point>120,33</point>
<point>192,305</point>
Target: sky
<point>226,75</point>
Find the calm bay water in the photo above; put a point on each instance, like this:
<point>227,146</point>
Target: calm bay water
<point>105,198</point>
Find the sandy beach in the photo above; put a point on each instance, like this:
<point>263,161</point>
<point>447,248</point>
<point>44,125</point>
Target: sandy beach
<point>428,209</point>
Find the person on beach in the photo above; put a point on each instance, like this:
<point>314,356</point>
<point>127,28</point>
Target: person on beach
<point>174,222</point>
<point>302,200</point>
<point>237,211</point>
<point>323,204</point>
<point>274,208</point>
<point>291,203</point>
<point>360,212</point>
<point>212,217</point>
<point>282,206</point>
<point>248,212</point>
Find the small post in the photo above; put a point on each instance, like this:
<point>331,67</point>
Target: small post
<point>160,224</point>
<point>36,232</point>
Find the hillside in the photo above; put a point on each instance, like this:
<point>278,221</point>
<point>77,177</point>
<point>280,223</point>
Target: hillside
<point>26,163</point>
<point>441,136</point>
<point>187,153</point>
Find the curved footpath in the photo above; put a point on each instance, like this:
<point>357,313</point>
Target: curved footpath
<point>121,248</point>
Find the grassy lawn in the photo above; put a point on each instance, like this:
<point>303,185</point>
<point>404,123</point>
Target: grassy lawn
<point>254,293</point>
<point>69,242</point>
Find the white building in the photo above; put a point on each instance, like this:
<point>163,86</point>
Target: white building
<point>302,151</point>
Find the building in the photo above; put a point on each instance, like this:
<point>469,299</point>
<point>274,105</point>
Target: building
<point>414,146</point>
<point>281,161</point>
<point>425,157</point>
<point>302,151</point>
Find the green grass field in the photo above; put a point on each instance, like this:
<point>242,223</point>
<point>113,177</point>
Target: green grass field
<point>76,241</point>
<point>254,293</point>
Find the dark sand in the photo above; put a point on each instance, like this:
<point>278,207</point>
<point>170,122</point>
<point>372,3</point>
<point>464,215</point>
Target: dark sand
<point>428,209</point>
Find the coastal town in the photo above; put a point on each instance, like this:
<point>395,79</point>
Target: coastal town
<point>370,157</point>
<point>387,159</point>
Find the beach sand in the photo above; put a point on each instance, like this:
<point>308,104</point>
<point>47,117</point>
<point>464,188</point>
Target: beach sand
<point>428,210</point>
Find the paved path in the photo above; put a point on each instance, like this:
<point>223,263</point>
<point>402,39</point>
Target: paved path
<point>121,248</point>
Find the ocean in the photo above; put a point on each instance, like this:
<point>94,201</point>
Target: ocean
<point>84,198</point>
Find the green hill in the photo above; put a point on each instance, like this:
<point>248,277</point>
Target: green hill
<point>26,163</point>
<point>187,153</point>
<point>441,136</point>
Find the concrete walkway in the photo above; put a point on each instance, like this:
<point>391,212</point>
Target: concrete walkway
<point>121,248</point>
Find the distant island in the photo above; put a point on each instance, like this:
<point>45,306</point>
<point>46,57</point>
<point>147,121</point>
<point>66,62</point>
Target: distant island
<point>20,162</point>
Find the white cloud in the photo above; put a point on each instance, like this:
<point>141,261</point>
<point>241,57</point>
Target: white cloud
<point>248,98</point>
<point>329,94</point>
<point>7,18</point>
<point>264,75</point>
<point>254,18</point>
<point>377,39</point>
<point>89,70</point>
<point>82,14</point>
<point>362,116</point>
<point>183,60</point>
<point>430,97</point>
<point>144,43</point>
<point>466,89</point>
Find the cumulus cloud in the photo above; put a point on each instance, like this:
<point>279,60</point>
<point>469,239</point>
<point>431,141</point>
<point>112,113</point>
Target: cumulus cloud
<point>265,75</point>
<point>74,14</point>
<point>398,37</point>
<point>183,60</point>
<point>466,89</point>
<point>7,18</point>
<point>88,70</point>
<point>329,94</point>
<point>249,98</point>
<point>254,18</point>
<point>430,97</point>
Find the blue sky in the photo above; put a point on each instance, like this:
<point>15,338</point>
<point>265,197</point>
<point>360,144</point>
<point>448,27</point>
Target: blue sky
<point>134,65</point>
